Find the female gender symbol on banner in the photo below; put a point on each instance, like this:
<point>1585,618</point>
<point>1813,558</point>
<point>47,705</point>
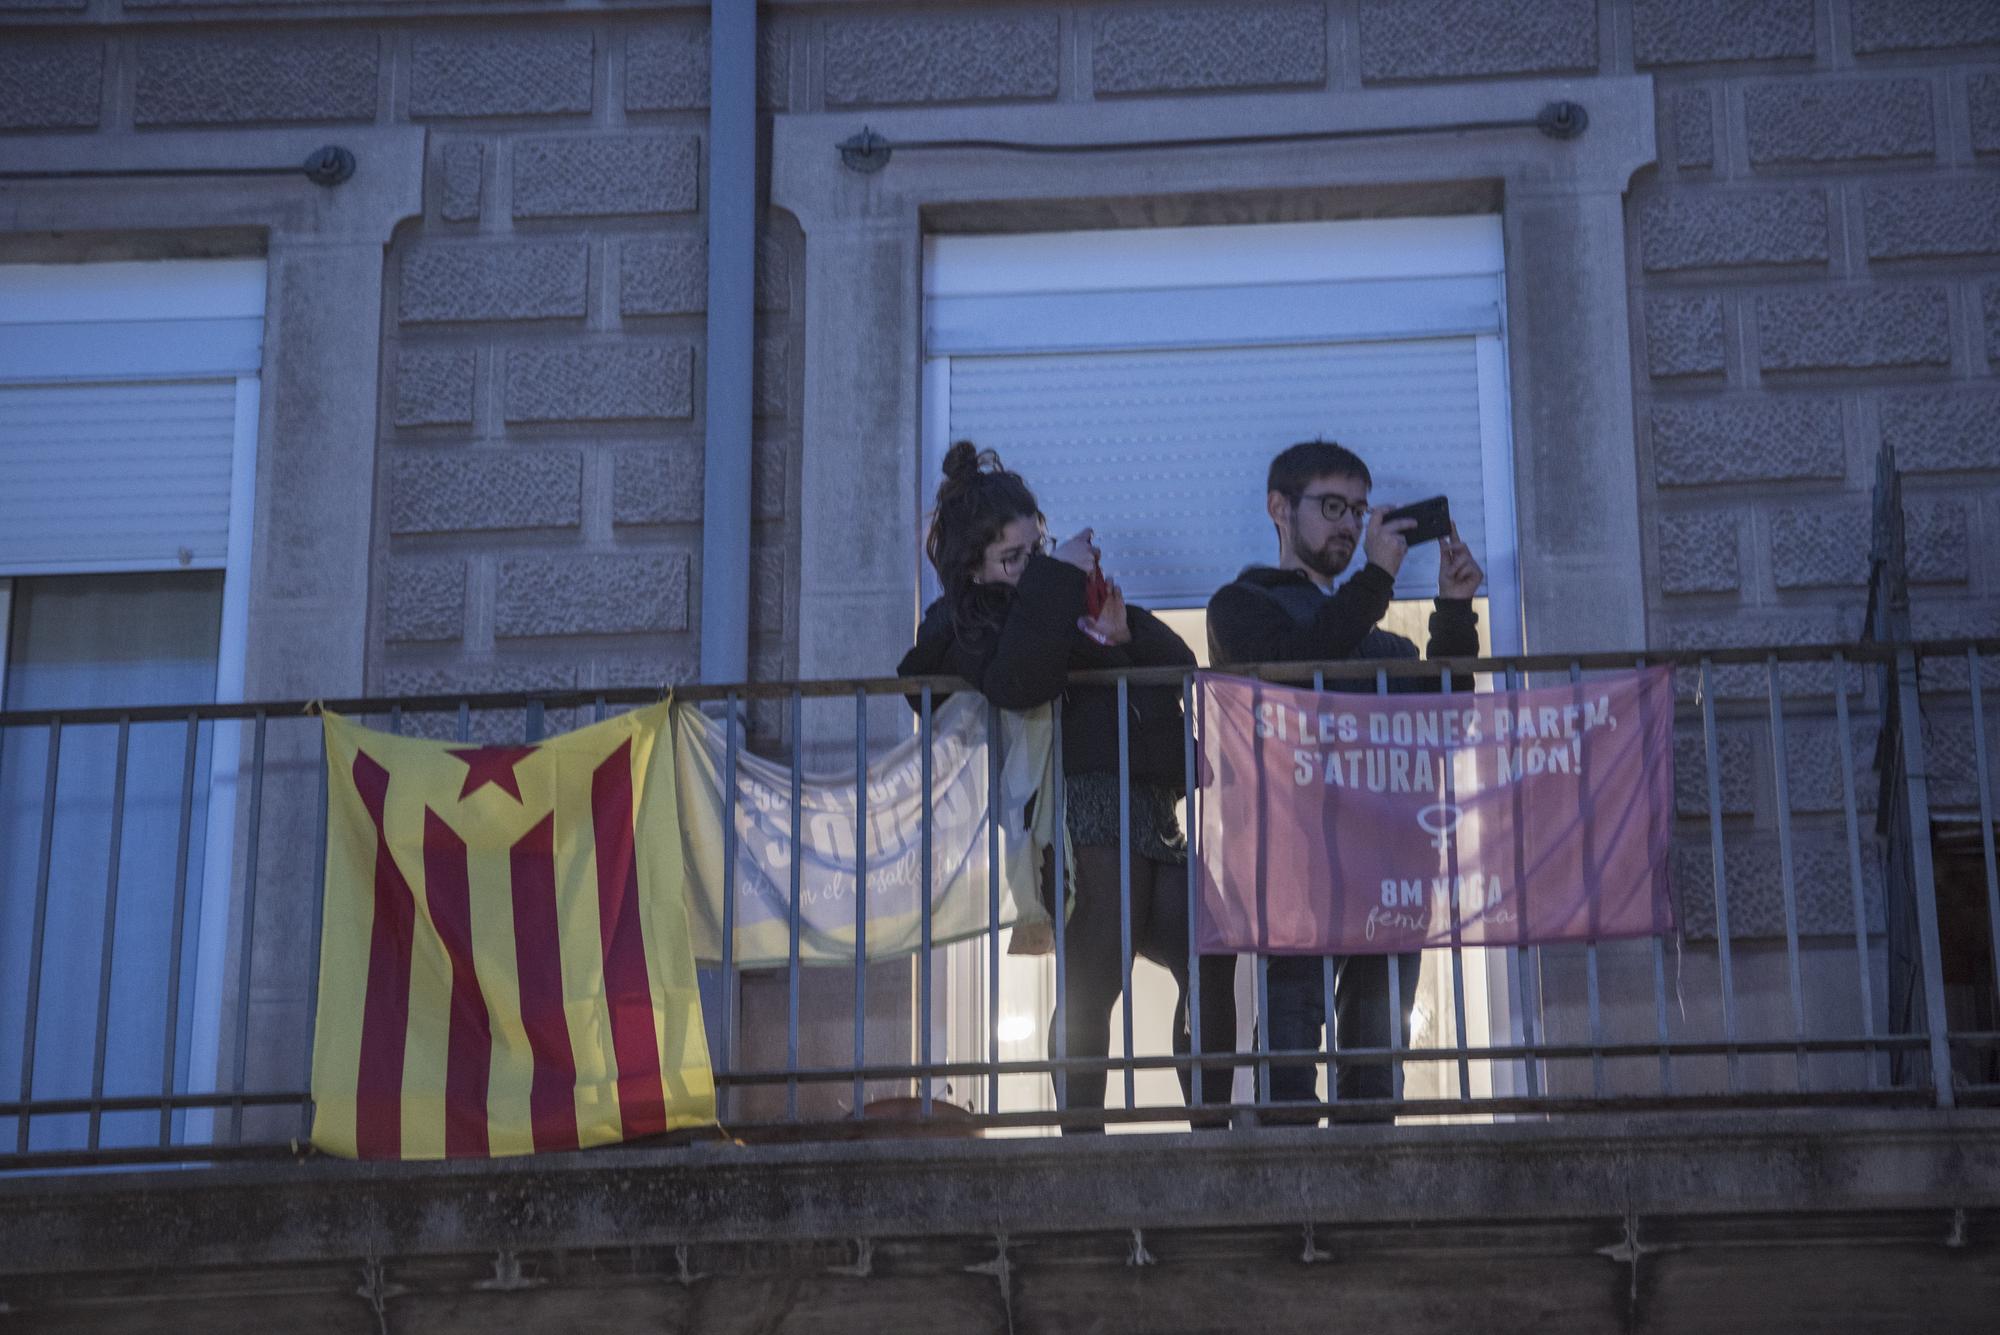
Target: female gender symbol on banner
<point>1447,819</point>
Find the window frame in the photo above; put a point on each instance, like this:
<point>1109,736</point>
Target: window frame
<point>179,289</point>
<point>306,626</point>
<point>1403,278</point>
<point>1570,368</point>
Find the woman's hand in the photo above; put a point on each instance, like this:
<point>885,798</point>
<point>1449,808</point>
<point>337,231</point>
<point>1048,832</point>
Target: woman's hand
<point>1079,551</point>
<point>1109,626</point>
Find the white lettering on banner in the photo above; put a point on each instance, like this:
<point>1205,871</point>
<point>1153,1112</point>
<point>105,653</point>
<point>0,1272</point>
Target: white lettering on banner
<point>1412,904</point>
<point>1408,745</point>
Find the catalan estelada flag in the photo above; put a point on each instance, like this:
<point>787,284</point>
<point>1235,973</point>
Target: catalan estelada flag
<point>504,966</point>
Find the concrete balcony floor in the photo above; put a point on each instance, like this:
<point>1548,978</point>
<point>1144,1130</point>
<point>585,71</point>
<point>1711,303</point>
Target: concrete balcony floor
<point>1871,1220</point>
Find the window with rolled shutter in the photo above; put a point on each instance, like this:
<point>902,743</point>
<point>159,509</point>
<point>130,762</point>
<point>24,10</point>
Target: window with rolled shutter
<point>128,424</point>
<point>123,389</point>
<point>1142,382</point>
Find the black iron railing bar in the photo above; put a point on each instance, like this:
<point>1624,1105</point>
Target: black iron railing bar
<point>993,905</point>
<point>861,895</point>
<point>796,910</point>
<point>1592,986</point>
<point>1983,777</point>
<point>924,874</point>
<point>1527,959</point>
<point>177,926</point>
<point>1720,872</point>
<point>1787,879</point>
<point>1457,954</point>
<point>1059,901</point>
<point>1125,1007</point>
<point>247,937</point>
<point>1916,795</point>
<point>319,882</point>
<point>1368,1056</point>
<point>726,1022</point>
<point>1658,950</point>
<point>1370,1110</point>
<point>1330,1032</point>
<point>106,948</point>
<point>38,937</point>
<point>1397,1069</point>
<point>911,1071</point>
<point>1856,891</point>
<point>1882,652</point>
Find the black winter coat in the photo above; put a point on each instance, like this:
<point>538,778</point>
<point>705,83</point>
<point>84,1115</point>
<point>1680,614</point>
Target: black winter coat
<point>1279,616</point>
<point>1025,663</point>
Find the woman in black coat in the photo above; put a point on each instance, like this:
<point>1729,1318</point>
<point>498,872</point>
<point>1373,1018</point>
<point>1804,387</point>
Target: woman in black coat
<point>1013,622</point>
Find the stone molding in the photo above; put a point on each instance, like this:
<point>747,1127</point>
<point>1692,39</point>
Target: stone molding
<point>1570,363</point>
<point>322,329</point>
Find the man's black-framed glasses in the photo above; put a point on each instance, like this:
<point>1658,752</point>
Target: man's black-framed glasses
<point>1333,507</point>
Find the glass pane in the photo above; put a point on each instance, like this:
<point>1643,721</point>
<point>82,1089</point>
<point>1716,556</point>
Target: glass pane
<point>89,641</point>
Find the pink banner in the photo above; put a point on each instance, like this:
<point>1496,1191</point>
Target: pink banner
<point>1336,824</point>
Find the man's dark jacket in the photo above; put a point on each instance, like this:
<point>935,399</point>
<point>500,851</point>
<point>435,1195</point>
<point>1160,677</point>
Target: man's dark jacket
<point>1270,615</point>
<point>1027,660</point>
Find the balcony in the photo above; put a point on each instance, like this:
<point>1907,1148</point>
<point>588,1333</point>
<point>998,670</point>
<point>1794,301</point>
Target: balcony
<point>1800,1083</point>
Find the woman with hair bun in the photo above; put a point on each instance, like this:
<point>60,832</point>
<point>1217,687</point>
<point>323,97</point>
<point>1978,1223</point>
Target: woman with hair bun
<point>1015,621</point>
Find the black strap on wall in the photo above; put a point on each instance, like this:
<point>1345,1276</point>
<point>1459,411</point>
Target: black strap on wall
<point>327,166</point>
<point>870,152</point>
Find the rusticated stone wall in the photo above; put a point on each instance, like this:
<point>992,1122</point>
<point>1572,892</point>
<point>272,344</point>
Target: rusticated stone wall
<point>1813,264</point>
<point>1813,267</point>
<point>539,480</point>
<point>541,488</point>
<point>1815,270</point>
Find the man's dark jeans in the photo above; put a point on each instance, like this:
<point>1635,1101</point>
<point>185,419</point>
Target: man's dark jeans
<point>1297,990</point>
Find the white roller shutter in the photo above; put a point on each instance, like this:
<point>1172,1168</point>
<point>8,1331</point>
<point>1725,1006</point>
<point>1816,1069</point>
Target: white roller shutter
<point>1164,453</point>
<point>1142,381</point>
<point>117,476</point>
<point>122,390</point>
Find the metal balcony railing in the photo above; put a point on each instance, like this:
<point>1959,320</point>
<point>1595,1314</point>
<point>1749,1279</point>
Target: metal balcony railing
<point>1829,953</point>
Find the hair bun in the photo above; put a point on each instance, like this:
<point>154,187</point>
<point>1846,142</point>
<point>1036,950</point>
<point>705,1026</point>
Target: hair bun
<point>961,460</point>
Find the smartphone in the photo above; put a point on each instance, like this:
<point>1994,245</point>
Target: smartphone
<point>1096,589</point>
<point>1433,518</point>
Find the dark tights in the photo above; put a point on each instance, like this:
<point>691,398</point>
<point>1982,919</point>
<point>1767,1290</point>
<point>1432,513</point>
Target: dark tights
<point>1094,973</point>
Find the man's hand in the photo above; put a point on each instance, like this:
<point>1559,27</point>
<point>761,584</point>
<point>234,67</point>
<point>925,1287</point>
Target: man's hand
<point>1383,543</point>
<point>1459,575</point>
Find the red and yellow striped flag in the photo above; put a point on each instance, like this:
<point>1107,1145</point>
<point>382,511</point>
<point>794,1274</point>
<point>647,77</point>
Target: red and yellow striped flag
<point>504,966</point>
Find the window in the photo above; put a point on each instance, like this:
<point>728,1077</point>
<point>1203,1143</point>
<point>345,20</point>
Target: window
<point>128,410</point>
<point>1141,382</point>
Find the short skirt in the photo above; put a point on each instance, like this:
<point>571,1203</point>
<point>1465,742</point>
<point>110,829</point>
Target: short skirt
<point>1091,809</point>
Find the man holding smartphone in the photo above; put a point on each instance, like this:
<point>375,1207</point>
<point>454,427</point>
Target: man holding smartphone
<point>1317,497</point>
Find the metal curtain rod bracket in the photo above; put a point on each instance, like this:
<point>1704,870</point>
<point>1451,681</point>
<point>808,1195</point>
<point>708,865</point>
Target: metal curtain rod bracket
<point>327,166</point>
<point>869,152</point>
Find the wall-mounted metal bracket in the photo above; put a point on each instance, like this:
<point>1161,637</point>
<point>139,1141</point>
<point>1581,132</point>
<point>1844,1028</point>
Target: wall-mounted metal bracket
<point>866,152</point>
<point>1562,120</point>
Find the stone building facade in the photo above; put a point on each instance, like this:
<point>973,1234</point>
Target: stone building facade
<point>483,426</point>
<point>1810,264</point>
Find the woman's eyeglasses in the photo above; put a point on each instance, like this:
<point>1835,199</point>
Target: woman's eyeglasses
<point>1013,562</point>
